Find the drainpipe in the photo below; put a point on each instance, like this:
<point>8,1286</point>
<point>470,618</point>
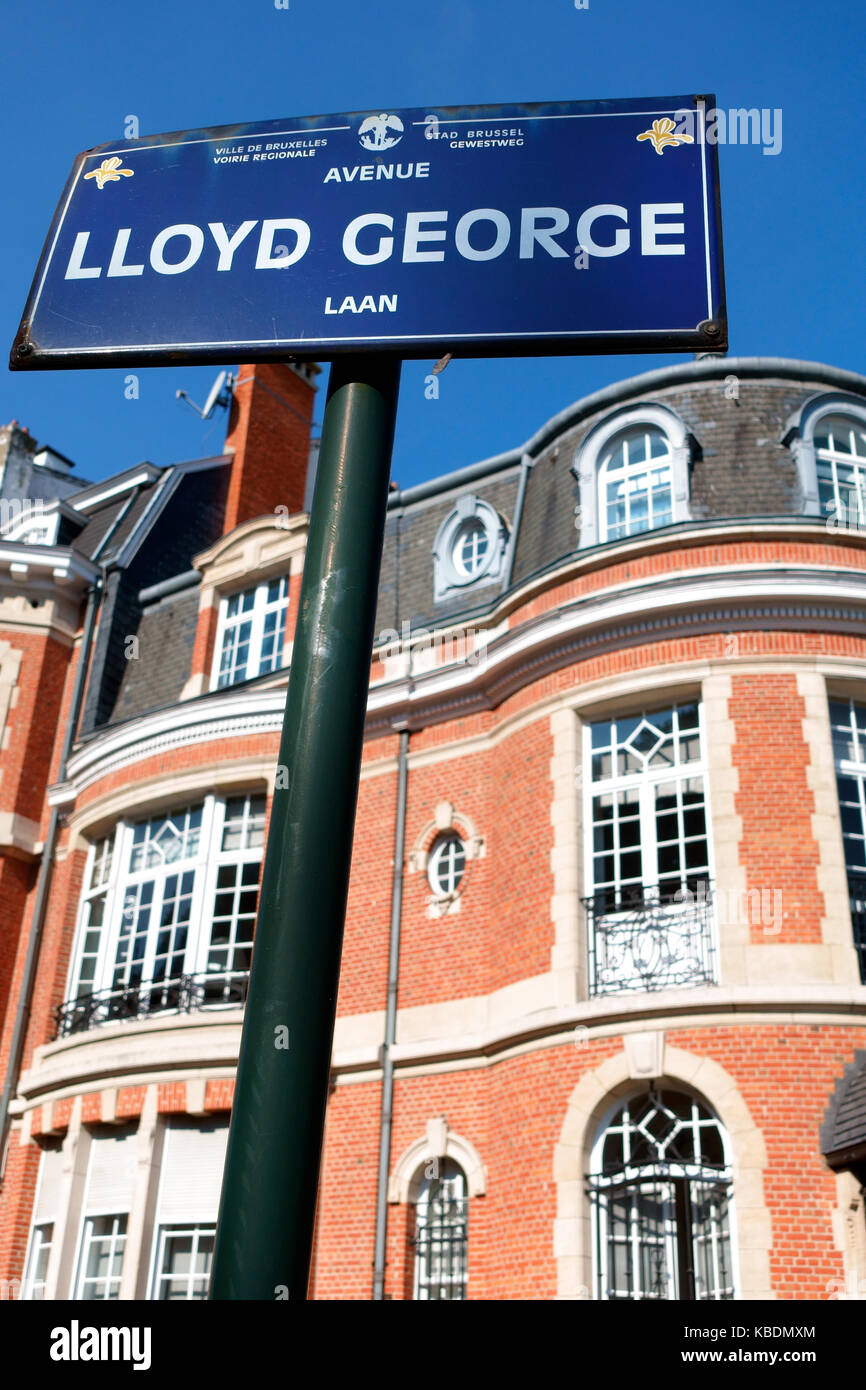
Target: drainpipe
<point>387,1116</point>
<point>34,941</point>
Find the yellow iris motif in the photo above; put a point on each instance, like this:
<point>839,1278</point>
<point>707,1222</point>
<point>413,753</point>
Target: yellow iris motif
<point>110,171</point>
<point>662,135</point>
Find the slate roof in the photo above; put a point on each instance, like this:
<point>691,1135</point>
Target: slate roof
<point>189,522</point>
<point>740,468</point>
<point>843,1132</point>
<point>166,634</point>
<point>99,522</point>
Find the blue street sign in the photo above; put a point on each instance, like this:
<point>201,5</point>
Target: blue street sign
<point>556,228</point>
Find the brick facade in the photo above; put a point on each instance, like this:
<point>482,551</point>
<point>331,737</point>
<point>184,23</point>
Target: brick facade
<point>504,1058</point>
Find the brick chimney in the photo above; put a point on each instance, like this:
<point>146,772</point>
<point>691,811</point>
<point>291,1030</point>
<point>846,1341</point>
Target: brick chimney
<point>269,435</point>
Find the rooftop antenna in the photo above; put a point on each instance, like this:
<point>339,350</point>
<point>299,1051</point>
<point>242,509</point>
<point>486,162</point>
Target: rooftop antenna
<point>220,394</point>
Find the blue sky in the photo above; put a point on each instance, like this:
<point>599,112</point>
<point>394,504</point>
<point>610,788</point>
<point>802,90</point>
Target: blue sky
<point>793,223</point>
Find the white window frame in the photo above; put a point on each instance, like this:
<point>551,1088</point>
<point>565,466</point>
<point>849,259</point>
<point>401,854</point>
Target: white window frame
<point>204,864</point>
<point>855,770</point>
<point>256,617</point>
<point>449,577</point>
<point>438,851</point>
<point>588,459</point>
<point>646,783</point>
<point>600,1242</point>
<point>194,1229</point>
<point>800,437</point>
<point>39,1245</point>
<point>117,1247</point>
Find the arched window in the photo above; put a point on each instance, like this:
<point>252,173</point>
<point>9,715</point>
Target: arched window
<point>441,1232</point>
<point>660,1186</point>
<point>827,437</point>
<point>635,481</point>
<point>840,459</point>
<point>633,474</point>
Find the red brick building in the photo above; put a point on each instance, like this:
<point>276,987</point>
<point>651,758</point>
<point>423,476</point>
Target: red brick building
<point>619,690</point>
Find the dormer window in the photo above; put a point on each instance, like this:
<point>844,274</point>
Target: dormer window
<point>469,548</point>
<point>827,437</point>
<point>840,458</point>
<point>251,631</point>
<point>635,484</point>
<point>633,475</point>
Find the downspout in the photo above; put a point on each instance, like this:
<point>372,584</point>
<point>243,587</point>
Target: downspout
<point>387,1114</point>
<point>34,941</point>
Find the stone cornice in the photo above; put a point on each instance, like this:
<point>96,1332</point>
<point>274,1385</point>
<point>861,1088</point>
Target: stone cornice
<point>633,612</point>
<point>480,1031</point>
<point>45,567</point>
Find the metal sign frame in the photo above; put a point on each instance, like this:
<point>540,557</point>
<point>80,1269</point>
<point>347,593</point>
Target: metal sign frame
<point>47,336</point>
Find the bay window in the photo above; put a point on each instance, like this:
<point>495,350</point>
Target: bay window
<point>167,913</point>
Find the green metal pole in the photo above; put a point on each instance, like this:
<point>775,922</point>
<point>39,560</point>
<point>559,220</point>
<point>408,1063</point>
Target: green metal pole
<point>267,1210</point>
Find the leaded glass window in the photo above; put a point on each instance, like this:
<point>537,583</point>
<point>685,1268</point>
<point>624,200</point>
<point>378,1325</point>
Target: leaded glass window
<point>168,913</point>
<point>649,911</point>
<point>661,1194</point>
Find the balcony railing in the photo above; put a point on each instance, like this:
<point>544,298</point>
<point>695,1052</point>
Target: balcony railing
<point>182,994</point>
<point>646,939</point>
<point>857,899</point>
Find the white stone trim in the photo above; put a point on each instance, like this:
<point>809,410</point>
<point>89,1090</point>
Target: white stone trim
<point>586,463</point>
<point>19,836</point>
<point>447,579</point>
<point>446,818</point>
<point>439,1141</point>
<point>589,1102</point>
<point>635,609</point>
<point>457,1035</point>
<point>568,954</point>
<point>799,435</point>
<point>157,793</point>
<point>139,1228</point>
<point>219,717</point>
<point>849,1234</point>
<point>841,957</point>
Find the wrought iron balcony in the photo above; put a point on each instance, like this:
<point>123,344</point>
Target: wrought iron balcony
<point>857,899</point>
<point>182,994</point>
<point>646,939</point>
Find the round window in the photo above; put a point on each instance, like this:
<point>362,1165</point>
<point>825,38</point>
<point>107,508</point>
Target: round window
<point>471,549</point>
<point>446,865</point>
